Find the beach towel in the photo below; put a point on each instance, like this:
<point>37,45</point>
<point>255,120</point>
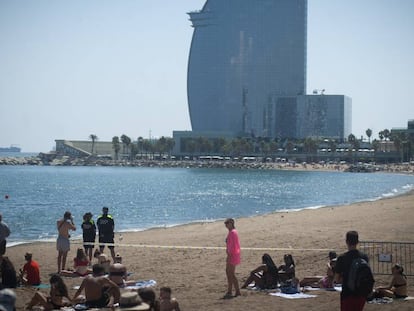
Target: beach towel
<point>293,296</point>
<point>256,288</point>
<point>381,300</point>
<point>310,288</point>
<point>40,286</point>
<point>142,284</point>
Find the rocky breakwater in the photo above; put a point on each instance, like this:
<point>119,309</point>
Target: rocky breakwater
<point>21,161</point>
<point>51,159</point>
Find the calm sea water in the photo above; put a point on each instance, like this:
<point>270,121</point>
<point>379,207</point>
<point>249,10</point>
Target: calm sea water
<point>141,198</point>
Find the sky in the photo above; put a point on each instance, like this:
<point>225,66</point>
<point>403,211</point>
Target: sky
<point>72,68</point>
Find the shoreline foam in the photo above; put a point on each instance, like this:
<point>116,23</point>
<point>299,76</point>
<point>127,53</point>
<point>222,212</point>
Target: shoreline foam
<point>78,237</point>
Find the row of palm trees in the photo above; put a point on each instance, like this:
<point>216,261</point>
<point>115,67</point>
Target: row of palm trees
<point>252,145</point>
<point>130,149</point>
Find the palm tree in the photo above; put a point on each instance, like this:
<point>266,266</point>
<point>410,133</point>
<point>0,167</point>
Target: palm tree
<point>381,135</point>
<point>170,143</point>
<point>116,146</point>
<point>126,141</point>
<point>375,145</point>
<point>387,134</point>
<point>332,145</point>
<point>140,144</point>
<point>289,147</point>
<point>94,138</point>
<point>351,138</point>
<point>310,145</point>
<point>369,134</point>
<point>161,145</point>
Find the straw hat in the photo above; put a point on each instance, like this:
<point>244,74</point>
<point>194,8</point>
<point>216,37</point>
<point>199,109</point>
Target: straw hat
<point>8,300</point>
<point>131,301</point>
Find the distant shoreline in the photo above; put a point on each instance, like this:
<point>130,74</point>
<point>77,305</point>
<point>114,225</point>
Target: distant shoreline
<point>40,160</point>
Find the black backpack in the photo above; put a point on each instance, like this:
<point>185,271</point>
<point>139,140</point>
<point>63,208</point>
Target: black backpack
<point>360,278</point>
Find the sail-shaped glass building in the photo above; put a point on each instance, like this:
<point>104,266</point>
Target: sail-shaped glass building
<point>244,55</point>
<point>247,75</point>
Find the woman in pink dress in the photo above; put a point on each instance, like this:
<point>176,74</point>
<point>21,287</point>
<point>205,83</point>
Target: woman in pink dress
<point>233,258</point>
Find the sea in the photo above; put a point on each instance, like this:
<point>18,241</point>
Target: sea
<point>33,198</point>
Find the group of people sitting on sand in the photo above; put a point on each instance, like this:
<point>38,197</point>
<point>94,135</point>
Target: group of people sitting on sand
<point>104,284</point>
<point>269,276</point>
<point>99,292</point>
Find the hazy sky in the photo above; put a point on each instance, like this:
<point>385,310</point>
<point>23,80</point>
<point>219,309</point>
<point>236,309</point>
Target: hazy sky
<point>71,68</point>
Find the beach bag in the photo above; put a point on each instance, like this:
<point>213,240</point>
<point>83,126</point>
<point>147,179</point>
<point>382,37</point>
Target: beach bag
<point>289,287</point>
<point>360,278</point>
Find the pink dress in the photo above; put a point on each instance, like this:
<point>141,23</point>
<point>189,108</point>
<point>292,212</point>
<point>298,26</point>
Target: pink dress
<point>233,247</point>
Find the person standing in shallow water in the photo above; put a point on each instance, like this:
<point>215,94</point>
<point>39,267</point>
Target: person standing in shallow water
<point>233,258</point>
<point>62,244</point>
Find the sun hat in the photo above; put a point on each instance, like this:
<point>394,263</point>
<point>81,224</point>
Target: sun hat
<point>131,301</point>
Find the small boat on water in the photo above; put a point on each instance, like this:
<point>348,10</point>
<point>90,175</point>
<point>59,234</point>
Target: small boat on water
<point>10,149</point>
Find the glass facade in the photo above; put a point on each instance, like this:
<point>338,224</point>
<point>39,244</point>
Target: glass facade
<point>244,54</point>
<point>317,116</point>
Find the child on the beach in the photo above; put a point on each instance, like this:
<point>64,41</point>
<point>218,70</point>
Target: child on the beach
<point>166,303</point>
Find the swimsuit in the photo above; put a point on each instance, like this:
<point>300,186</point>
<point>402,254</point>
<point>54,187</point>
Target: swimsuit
<point>99,303</point>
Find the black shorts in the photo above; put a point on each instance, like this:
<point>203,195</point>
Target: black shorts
<point>90,242</point>
<point>107,239</point>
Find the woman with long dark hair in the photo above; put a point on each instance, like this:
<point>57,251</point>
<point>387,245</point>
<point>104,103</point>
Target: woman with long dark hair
<point>397,287</point>
<point>58,296</point>
<point>264,276</point>
<point>80,265</point>
<point>287,270</point>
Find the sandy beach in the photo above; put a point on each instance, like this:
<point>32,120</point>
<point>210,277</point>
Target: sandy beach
<point>191,258</point>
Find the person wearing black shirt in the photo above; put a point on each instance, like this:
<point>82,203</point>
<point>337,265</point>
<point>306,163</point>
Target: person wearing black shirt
<point>89,233</point>
<point>106,227</point>
<point>349,301</point>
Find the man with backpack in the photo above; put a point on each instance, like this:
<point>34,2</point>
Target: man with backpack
<point>353,271</point>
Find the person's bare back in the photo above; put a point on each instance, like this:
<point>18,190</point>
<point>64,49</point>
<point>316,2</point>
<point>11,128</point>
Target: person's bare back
<point>64,226</point>
<point>169,305</point>
<point>96,286</point>
<point>166,302</point>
